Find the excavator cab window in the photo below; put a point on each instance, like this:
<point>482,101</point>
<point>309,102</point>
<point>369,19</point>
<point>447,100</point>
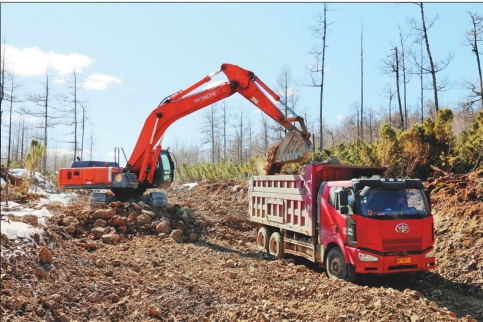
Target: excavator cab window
<point>167,166</point>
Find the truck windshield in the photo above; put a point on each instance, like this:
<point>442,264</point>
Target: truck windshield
<point>385,204</point>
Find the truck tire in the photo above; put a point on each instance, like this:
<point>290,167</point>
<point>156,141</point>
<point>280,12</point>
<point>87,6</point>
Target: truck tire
<point>276,246</point>
<point>337,267</point>
<point>263,238</point>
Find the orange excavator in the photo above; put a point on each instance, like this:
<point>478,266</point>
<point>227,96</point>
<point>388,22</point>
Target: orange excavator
<point>151,167</point>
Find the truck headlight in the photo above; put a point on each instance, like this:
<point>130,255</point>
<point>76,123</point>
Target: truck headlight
<point>367,258</point>
<point>430,254</point>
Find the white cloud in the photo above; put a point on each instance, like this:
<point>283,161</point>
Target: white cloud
<point>339,117</point>
<point>34,62</point>
<point>100,81</point>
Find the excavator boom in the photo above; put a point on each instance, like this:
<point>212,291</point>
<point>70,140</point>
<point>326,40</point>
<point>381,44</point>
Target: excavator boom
<point>295,148</point>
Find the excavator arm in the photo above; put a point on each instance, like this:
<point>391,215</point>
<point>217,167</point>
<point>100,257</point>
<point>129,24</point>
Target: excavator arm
<point>295,147</point>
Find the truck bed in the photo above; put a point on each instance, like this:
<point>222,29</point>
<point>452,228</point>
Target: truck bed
<point>281,201</point>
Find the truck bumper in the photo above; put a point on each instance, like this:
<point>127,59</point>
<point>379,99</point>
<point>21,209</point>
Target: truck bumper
<point>395,263</point>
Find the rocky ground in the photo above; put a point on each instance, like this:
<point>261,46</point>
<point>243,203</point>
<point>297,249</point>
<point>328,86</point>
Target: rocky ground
<point>197,260</point>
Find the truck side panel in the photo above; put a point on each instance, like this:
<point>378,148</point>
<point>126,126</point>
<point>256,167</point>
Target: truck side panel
<point>281,202</point>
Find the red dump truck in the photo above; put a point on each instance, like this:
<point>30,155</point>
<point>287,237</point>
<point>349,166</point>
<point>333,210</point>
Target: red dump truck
<point>346,218</point>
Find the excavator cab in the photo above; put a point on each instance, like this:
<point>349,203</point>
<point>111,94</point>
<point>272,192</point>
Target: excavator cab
<point>165,169</point>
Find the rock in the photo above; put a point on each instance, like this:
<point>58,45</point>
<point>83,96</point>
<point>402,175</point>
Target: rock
<point>100,262</point>
<point>70,221</point>
<point>116,221</point>
<point>136,206</point>
<point>301,268</point>
<point>122,229</point>
<point>149,213</point>
<point>100,223</point>
<point>30,219</point>
<point>40,272</point>
<point>110,238</point>
<point>103,214</point>
<point>98,232</point>
<point>163,227</point>
<point>180,225</point>
<point>132,216</point>
<point>136,266</point>
<point>193,238</point>
<point>154,312</point>
<point>69,229</point>
<point>95,297</point>
<point>144,219</point>
<point>114,298</point>
<point>177,235</point>
<point>115,204</point>
<point>45,255</point>
<point>63,318</point>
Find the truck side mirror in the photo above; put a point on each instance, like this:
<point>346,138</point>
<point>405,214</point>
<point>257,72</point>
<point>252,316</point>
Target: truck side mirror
<point>344,210</point>
<point>343,199</point>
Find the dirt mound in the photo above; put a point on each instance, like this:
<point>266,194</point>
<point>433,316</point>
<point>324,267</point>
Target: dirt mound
<point>222,276</point>
<point>457,202</point>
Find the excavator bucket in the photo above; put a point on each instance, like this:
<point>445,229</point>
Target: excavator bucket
<point>294,147</point>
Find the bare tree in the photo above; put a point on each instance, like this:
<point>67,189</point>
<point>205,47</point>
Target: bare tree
<point>224,122</point>
<point>285,89</point>
<point>210,130</point>
<point>433,68</point>
<point>473,37</point>
<point>50,119</point>
<point>391,67</point>
<point>74,85</point>
<point>319,30</point>
<point>406,75</point>
<point>362,82</point>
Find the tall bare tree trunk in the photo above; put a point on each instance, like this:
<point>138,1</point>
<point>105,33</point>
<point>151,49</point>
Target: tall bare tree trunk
<point>362,84</point>
<point>433,70</point>
<point>398,91</point>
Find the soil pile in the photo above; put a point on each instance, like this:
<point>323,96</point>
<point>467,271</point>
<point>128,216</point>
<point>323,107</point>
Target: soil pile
<point>147,275</point>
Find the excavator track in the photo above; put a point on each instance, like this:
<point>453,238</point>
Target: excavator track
<point>152,199</point>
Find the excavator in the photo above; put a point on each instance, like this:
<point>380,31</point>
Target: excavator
<point>152,167</point>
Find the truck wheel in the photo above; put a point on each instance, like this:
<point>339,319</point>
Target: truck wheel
<point>276,246</point>
<point>337,267</point>
<point>263,238</point>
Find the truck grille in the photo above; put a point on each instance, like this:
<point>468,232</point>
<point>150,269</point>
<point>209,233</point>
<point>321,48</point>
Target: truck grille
<point>401,245</point>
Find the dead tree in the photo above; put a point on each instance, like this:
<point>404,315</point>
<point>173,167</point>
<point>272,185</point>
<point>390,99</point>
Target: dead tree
<point>319,30</point>
<point>473,37</point>
<point>433,68</point>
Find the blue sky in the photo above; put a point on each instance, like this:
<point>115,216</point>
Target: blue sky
<point>132,55</point>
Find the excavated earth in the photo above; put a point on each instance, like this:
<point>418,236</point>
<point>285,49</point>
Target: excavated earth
<point>197,260</point>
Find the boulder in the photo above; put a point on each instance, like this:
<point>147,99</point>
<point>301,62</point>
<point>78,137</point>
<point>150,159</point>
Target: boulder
<point>45,255</point>
<point>110,238</point>
<point>177,235</point>
<point>163,227</point>
<point>144,219</point>
<point>103,214</point>
<point>100,223</point>
<point>116,221</point>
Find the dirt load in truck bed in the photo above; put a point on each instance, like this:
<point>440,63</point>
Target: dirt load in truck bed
<point>125,268</point>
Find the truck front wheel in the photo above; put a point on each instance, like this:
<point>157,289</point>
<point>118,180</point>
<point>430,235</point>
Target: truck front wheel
<point>276,245</point>
<point>337,267</point>
<point>263,238</point>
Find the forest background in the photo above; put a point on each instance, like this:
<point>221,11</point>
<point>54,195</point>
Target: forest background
<point>410,140</point>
